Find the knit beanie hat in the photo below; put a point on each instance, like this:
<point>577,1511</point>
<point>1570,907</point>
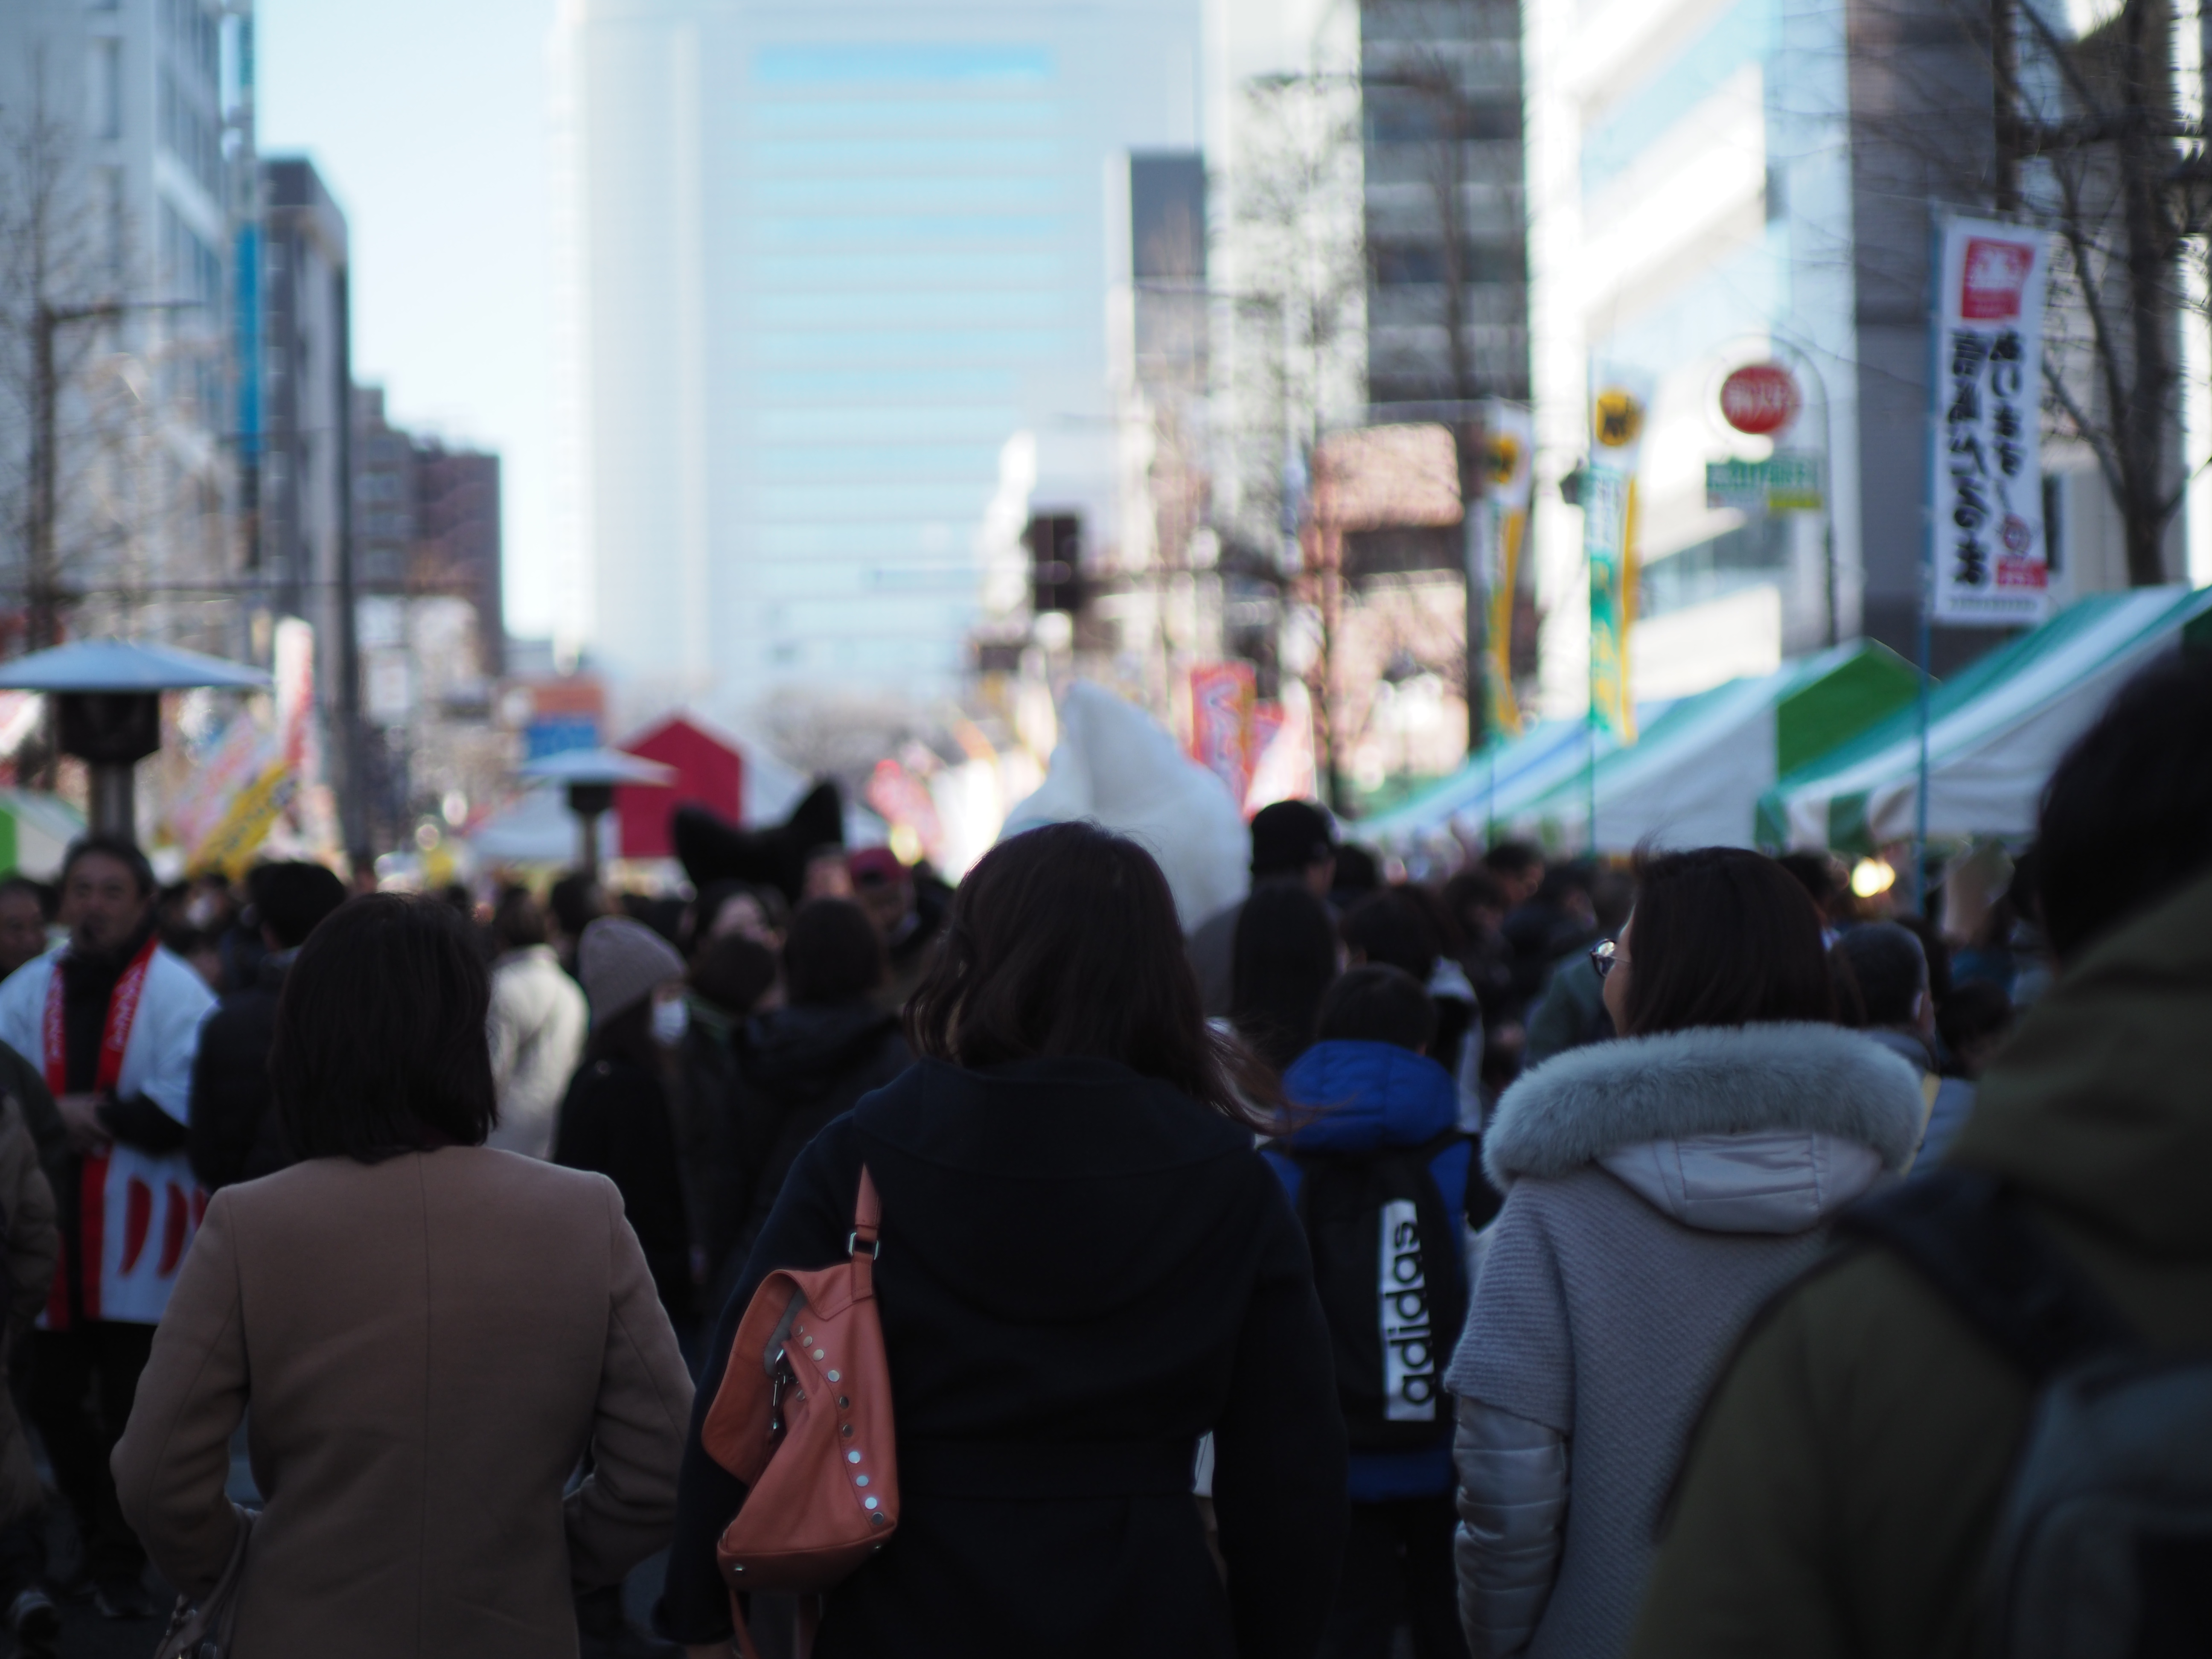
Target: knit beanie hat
<point>621,962</point>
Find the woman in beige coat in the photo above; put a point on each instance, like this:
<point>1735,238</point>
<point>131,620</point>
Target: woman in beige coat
<point>431,1335</point>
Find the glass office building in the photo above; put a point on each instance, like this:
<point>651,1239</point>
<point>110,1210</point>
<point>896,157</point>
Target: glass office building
<point>835,288</point>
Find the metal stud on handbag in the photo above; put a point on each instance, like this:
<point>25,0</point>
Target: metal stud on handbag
<point>804,1418</point>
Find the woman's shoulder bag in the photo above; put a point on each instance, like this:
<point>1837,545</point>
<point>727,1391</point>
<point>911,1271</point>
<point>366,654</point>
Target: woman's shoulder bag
<point>804,1418</point>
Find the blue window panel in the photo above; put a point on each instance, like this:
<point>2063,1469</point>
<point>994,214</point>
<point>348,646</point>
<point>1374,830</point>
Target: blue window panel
<point>862,568</point>
<point>1743,34</point>
<point>846,118</point>
<point>811,273</point>
<point>834,385</point>
<point>790,461</point>
<point>886,231</point>
<point>945,63</point>
<point>922,540</point>
<point>849,424</point>
<point>908,195</point>
<point>910,308</point>
<point>799,158</point>
<point>910,500</point>
<point>944,345</point>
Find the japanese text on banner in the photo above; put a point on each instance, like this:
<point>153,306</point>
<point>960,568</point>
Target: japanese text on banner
<point>1991,559</point>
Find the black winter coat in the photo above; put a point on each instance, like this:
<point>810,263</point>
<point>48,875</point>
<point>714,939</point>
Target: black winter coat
<point>235,1133</point>
<point>797,1068</point>
<point>615,1121</point>
<point>1081,1271</point>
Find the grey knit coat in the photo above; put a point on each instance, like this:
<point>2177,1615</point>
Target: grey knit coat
<point>1657,1190</point>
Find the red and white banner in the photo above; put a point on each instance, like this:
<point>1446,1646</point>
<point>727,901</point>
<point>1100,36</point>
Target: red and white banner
<point>1992,561</point>
<point>1221,698</point>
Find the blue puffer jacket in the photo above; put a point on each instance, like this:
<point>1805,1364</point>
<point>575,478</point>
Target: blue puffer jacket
<point>1373,1096</point>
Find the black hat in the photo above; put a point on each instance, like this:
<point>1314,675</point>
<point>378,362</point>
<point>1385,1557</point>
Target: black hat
<point>1291,835</point>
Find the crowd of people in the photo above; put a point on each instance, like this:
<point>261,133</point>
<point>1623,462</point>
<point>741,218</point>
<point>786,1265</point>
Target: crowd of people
<point>1537,1261</point>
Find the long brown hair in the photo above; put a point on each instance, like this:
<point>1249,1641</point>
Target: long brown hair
<point>1724,937</point>
<point>1064,941</point>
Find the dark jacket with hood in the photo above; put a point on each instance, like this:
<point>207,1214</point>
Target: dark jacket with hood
<point>1842,1494</point>
<point>797,1069</point>
<point>235,1133</point>
<point>1373,1097</point>
<point>1081,1271</point>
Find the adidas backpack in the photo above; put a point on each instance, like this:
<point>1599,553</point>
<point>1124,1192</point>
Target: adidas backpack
<point>1392,1283</point>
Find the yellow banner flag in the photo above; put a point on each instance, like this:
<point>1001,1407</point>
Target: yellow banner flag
<point>253,813</point>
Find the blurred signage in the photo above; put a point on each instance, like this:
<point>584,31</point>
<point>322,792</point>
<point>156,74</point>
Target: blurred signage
<point>232,799</point>
<point>1501,525</point>
<point>556,714</point>
<point>1759,398</point>
<point>1991,560</point>
<point>1790,482</point>
<point>1619,400</point>
<point>1381,476</point>
<point>1221,701</point>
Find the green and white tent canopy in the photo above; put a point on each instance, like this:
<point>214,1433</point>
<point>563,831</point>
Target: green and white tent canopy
<point>35,830</point>
<point>1492,785</point>
<point>1695,776</point>
<point>1994,731</point>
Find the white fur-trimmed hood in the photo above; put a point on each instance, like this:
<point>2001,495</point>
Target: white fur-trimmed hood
<point>1714,1080</point>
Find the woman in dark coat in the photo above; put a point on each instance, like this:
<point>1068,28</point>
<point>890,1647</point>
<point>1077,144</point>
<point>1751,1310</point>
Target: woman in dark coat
<point>1084,1266</point>
<point>799,1067</point>
<point>616,1119</point>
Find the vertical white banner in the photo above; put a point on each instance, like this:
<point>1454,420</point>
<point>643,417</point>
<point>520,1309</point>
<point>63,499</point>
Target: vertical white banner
<point>1992,561</point>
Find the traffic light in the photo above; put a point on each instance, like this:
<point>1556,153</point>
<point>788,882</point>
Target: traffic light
<point>1055,544</point>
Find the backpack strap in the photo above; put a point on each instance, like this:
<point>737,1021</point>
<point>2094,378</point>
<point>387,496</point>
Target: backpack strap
<point>1965,1233</point>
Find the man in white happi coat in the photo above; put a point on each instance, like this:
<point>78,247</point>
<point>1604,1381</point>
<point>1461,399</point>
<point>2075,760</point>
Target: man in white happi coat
<point>113,1021</point>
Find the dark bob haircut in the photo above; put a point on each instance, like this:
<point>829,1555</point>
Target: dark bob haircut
<point>1723,937</point>
<point>380,1045</point>
<point>1064,941</point>
<point>832,954</point>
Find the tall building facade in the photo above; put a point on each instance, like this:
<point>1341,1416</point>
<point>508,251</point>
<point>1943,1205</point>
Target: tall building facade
<point>1720,183</point>
<point>835,291</point>
<point>427,520</point>
<point>117,207</point>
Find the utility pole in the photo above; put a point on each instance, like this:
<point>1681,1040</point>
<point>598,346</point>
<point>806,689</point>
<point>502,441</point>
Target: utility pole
<point>2004,60</point>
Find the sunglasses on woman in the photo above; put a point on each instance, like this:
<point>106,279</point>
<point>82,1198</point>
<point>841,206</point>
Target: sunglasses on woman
<point>1602,955</point>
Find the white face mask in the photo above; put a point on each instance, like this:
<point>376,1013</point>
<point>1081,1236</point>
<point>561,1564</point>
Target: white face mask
<point>670,1019</point>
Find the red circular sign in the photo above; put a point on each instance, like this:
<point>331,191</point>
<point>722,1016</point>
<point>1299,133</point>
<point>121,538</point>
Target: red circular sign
<point>1759,398</point>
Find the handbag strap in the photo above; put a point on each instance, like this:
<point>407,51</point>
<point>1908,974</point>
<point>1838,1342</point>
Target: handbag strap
<point>861,1245</point>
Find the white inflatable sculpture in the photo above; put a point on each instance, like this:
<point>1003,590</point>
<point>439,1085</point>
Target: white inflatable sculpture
<point>1115,766</point>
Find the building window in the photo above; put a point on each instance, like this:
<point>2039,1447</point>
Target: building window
<point>107,88</point>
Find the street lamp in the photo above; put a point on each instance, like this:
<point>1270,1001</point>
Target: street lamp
<point>107,698</point>
<point>591,775</point>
